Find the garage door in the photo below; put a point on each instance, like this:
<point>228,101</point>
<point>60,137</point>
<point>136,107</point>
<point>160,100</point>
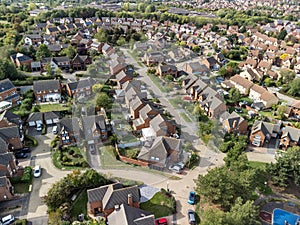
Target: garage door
<point>49,122</point>
<point>39,121</point>
<point>31,123</point>
<point>55,120</point>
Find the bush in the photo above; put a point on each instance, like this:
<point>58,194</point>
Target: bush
<point>44,130</point>
<point>71,151</point>
<point>32,140</point>
<point>21,222</point>
<point>27,176</point>
<point>65,158</point>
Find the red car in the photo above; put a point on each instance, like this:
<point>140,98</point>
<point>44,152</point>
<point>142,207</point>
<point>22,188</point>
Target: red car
<point>162,221</point>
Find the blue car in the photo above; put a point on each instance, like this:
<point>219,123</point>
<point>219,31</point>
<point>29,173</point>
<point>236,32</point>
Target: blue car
<point>191,199</point>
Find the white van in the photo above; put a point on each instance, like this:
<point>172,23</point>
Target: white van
<point>54,130</point>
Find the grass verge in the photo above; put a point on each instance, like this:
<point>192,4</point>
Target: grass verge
<point>185,117</point>
<point>161,204</point>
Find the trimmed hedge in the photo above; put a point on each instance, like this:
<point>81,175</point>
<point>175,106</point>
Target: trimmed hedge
<point>32,139</point>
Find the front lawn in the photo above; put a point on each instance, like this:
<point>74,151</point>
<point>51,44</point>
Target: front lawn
<point>69,158</point>
<point>108,158</point>
<point>21,188</point>
<point>79,205</point>
<point>161,204</point>
<point>53,107</point>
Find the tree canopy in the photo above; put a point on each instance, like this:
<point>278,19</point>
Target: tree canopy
<point>43,52</point>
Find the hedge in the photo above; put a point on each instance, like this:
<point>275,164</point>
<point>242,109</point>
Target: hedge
<point>21,222</point>
<point>34,141</point>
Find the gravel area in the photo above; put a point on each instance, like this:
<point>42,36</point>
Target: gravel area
<point>147,192</point>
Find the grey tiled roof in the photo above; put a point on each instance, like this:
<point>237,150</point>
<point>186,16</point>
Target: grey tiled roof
<point>130,216</point>
<point>43,85</point>
<point>3,181</point>
<point>6,158</point>
<point>292,133</point>
<point>92,123</point>
<point>35,116</point>
<point>5,85</point>
<point>69,125</point>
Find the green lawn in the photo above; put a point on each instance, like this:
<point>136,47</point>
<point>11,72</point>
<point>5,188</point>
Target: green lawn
<point>108,158</point>
<point>175,102</point>
<point>160,205</point>
<point>53,107</point>
<point>21,188</point>
<point>79,205</point>
<point>185,117</point>
<point>255,165</point>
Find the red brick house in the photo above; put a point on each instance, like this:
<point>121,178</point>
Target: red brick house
<point>47,90</point>
<point>163,70</point>
<point>80,62</point>
<point>8,92</point>
<point>234,123</point>
<point>290,137</point>
<point>102,201</point>
<point>81,88</point>
<point>6,189</point>
<point>69,131</point>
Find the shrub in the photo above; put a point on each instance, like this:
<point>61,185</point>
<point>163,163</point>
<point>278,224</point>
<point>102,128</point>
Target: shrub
<point>71,151</point>
<point>33,141</point>
<point>65,158</point>
<point>26,178</point>
<point>21,222</point>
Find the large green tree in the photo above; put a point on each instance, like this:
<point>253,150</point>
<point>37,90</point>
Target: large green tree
<point>43,52</point>
<point>8,70</point>
<point>287,168</point>
<point>103,100</point>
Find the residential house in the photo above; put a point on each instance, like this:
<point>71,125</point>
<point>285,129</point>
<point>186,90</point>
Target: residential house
<point>79,62</point>
<point>62,29</point>
<point>81,88</point>
<point>95,129</point>
<point>242,84</point>
<point>264,66</point>
<point>134,97</point>
<point>153,58</point>
<point>8,164</point>
<point>260,94</point>
<point>177,54</point>
<point>211,63</point>
<point>162,126</point>
<point>163,152</point>
<point>35,119</point>
<point>8,93</point>
<point>62,62</point>
<point>255,92</point>
<point>52,31</point>
<point>107,49</point>
<point>251,74</point>
<point>21,60</point>
<point>51,118</point>
<point>188,81</point>
<point>235,123</point>
<point>47,90</point>
<point>163,70</point>
<point>263,132</point>
<point>33,39</point>
<point>252,63</point>
<point>123,77</point>
<point>290,137</point>
<point>69,131</point>
<point>195,68</point>
<point>116,67</point>
<point>196,89</point>
<point>12,136</point>
<point>125,214</point>
<point>296,108</point>
<point>213,107</point>
<point>6,189</point>
<point>48,61</point>
<point>103,200</point>
<point>147,113</point>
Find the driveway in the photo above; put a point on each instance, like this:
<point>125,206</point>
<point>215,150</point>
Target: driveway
<point>50,174</point>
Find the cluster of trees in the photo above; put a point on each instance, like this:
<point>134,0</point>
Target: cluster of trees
<point>26,105</point>
<point>232,188</point>
<point>58,198</point>
<point>239,53</point>
<point>286,170</point>
<point>229,70</point>
<point>234,143</point>
<point>117,36</point>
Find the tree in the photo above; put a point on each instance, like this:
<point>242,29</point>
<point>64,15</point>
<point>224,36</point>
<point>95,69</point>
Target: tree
<point>286,169</point>
<point>102,35</point>
<point>96,88</point>
<point>150,9</point>
<point>234,95</point>
<point>294,88</point>
<point>141,7</point>
<point>43,52</point>
<point>218,186</point>
<point>8,70</point>
<point>48,69</point>
<point>281,111</point>
<point>103,100</point>
<point>287,75</point>
<point>121,41</point>
<point>213,217</point>
<point>242,214</point>
<point>282,34</point>
<point>70,52</point>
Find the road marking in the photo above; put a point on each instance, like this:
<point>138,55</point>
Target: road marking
<point>42,154</point>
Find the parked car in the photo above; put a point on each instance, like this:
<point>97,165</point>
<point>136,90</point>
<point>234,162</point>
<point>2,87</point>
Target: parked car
<point>191,217</point>
<point>191,199</point>
<point>92,149</point>
<point>20,155</point>
<point>39,127</point>
<point>54,130</point>
<point>161,221</point>
<point>175,168</point>
<point>37,171</point>
<point>26,149</point>
<point>7,220</point>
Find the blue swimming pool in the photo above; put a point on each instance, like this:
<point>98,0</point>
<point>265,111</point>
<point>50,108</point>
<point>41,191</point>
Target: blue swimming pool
<point>280,216</point>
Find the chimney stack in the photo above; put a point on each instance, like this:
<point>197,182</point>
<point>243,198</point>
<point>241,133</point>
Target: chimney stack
<point>130,200</point>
